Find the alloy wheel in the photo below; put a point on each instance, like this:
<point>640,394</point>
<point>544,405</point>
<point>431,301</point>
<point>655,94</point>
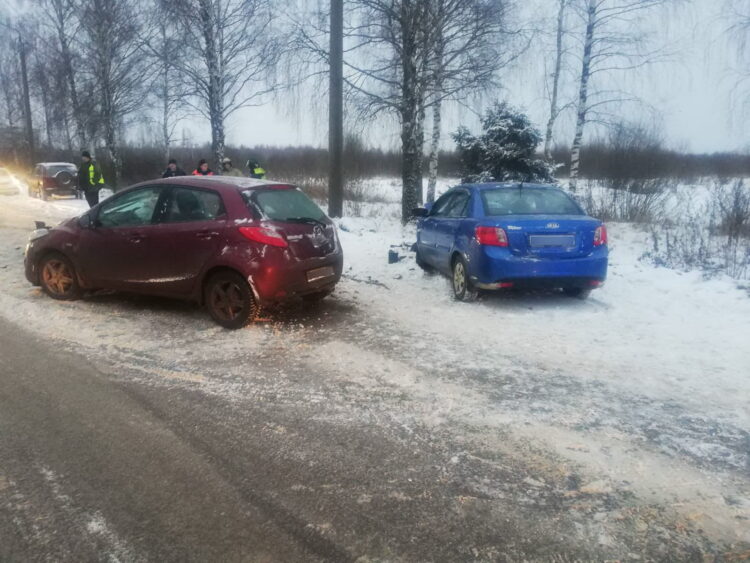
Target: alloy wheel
<point>58,277</point>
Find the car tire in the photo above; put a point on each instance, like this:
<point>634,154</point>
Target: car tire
<point>58,278</point>
<point>316,297</point>
<point>230,301</point>
<point>577,292</point>
<point>421,263</point>
<point>463,290</point>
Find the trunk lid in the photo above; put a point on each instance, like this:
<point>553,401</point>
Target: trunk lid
<point>308,239</point>
<point>547,237</point>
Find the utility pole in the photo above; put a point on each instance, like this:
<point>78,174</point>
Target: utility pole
<point>26,98</point>
<point>336,112</point>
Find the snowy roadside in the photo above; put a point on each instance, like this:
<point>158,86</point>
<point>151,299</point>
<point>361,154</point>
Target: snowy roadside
<point>644,387</point>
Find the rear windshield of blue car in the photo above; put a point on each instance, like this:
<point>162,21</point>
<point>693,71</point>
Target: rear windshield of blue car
<point>528,201</point>
<point>284,204</point>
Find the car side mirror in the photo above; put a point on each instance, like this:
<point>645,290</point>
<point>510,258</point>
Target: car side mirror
<point>419,212</point>
<point>86,222</point>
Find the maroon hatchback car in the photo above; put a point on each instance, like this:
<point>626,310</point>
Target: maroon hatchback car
<point>232,244</point>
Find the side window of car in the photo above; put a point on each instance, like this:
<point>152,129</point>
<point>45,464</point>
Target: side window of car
<point>188,204</point>
<point>442,205</point>
<point>459,205</point>
<point>132,209</point>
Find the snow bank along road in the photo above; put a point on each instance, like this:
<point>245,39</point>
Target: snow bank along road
<point>386,424</point>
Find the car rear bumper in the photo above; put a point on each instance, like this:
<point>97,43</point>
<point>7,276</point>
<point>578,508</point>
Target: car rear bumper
<point>490,270</point>
<point>273,284</point>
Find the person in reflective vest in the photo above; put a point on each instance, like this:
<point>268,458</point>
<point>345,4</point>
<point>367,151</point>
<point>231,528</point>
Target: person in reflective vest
<point>90,179</point>
<point>256,170</point>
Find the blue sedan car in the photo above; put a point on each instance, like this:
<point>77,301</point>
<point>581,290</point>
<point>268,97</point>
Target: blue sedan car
<point>502,236</point>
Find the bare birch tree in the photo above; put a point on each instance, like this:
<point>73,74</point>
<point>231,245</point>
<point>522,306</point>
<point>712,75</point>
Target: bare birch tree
<point>470,43</point>
<point>613,41</point>
<point>62,19</point>
<point>162,43</point>
<point>108,32</point>
<point>231,49</point>
<point>406,57</point>
<point>554,107</point>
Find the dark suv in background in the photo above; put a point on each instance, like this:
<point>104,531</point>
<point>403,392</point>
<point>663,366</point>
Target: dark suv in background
<point>54,178</point>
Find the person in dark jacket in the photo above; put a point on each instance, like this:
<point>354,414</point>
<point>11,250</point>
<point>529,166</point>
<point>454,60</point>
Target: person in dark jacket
<point>203,169</point>
<point>90,179</point>
<point>173,170</point>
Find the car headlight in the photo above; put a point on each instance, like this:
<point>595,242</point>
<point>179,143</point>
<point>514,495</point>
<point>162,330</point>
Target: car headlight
<point>37,234</point>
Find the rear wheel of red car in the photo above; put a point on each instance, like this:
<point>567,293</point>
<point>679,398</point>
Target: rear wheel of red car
<point>577,292</point>
<point>463,290</point>
<point>230,301</point>
<point>58,279</point>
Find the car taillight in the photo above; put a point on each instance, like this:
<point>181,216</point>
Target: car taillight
<point>264,235</point>
<point>491,236</point>
<point>600,235</point>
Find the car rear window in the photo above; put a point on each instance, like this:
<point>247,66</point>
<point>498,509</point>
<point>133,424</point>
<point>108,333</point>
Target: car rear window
<point>528,201</point>
<point>283,204</point>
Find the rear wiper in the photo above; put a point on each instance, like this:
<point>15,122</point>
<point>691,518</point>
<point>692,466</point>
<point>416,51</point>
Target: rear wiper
<point>305,220</point>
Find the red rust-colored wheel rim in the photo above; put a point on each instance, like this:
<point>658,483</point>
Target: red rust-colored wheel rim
<point>57,277</point>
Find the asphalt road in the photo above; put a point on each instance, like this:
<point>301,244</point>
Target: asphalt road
<point>95,466</point>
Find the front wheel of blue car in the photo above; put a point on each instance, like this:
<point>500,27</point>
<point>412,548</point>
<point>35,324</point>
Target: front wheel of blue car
<point>463,290</point>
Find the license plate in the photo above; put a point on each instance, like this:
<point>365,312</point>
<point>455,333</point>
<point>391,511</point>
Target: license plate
<point>552,241</point>
<point>319,273</point>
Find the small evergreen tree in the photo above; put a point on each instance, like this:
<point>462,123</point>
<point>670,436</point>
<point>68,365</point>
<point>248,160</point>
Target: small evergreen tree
<point>505,151</point>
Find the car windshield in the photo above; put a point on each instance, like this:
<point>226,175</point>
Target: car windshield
<point>55,168</point>
<point>528,201</point>
<point>284,205</point>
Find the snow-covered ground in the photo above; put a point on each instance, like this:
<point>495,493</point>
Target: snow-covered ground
<point>644,388</point>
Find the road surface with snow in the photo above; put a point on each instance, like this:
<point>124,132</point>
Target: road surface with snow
<point>388,423</point>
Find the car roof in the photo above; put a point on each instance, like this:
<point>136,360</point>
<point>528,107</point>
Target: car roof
<point>55,164</point>
<point>517,185</point>
<point>218,182</point>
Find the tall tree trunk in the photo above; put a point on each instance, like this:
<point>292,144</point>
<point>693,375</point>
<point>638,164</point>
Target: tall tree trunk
<point>553,110</point>
<point>166,137</point>
<point>336,112</point>
<point>215,73</point>
<point>434,151</point>
<point>109,117</point>
<point>26,99</point>
<point>110,138</point>
<point>412,142</point>
<point>67,60</point>
<point>68,136</point>
<point>412,108</point>
<point>575,150</point>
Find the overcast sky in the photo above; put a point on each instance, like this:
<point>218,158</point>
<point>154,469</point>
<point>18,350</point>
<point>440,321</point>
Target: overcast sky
<point>694,95</point>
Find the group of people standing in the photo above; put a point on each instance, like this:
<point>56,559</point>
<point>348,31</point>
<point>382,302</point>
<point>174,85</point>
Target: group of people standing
<point>91,181</point>
<point>227,169</point>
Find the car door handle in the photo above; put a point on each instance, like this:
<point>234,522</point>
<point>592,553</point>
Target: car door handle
<point>136,238</point>
<point>207,234</point>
